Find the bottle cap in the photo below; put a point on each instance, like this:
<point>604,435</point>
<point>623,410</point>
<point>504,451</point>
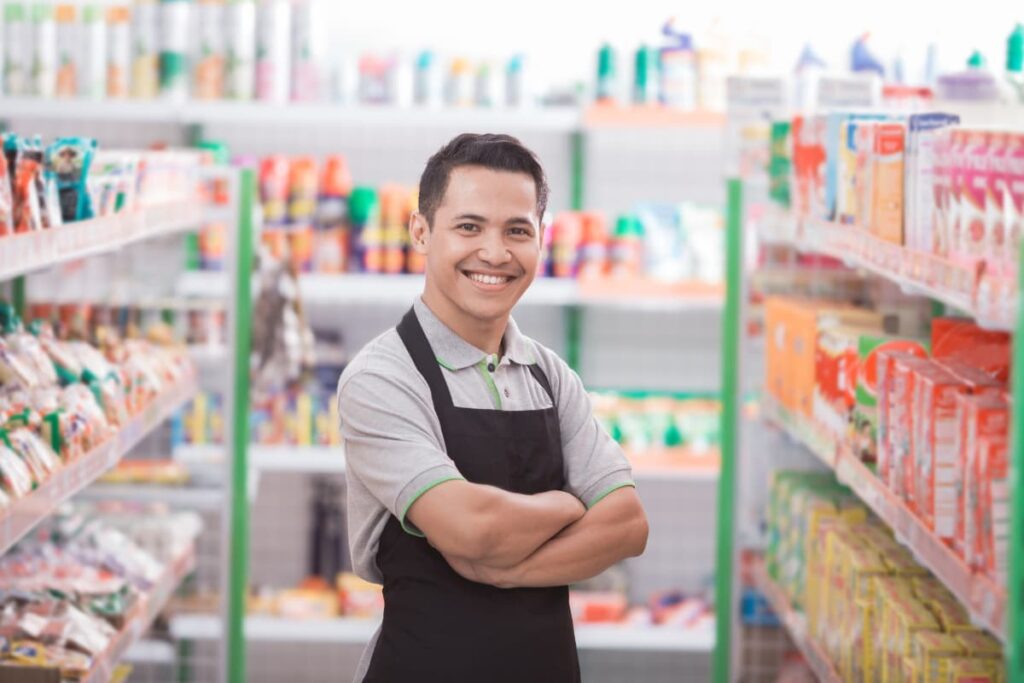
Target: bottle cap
<point>1015,50</point>
<point>976,60</point>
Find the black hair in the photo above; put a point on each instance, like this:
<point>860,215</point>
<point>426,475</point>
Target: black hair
<point>496,152</point>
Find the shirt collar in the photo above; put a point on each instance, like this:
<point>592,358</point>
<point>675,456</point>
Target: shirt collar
<point>455,353</point>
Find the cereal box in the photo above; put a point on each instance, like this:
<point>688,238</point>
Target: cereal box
<point>930,647</point>
<point>902,619</point>
<point>969,670</point>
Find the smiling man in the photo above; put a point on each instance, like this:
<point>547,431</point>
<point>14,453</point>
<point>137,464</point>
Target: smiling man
<point>480,483</point>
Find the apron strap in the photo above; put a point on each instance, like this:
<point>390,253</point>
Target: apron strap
<point>542,379</point>
<point>412,335</point>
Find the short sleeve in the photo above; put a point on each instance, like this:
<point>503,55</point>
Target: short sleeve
<point>393,441</point>
<point>594,463</point>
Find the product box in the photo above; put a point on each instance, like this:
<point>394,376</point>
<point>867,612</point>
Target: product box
<point>886,189</point>
<point>919,177</point>
<point>934,458</point>
<point>780,164</point>
<point>970,670</point>
<point>808,134</point>
<point>956,155</point>
<point>973,197</point>
<point>869,350</point>
<point>864,136</point>
<point>885,365</point>
<point>929,648</point>
<point>901,425</point>
<point>836,364</point>
<point>997,197</point>
<point>1015,196</point>
<point>979,416</point>
<point>902,619</point>
<point>980,645</point>
<point>846,179</point>
<point>993,462</point>
<point>959,343</point>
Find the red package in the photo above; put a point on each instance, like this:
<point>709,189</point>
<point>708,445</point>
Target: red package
<point>274,189</point>
<point>979,416</point>
<point>886,368</point>
<point>960,340</point>
<point>935,455</point>
<point>901,426</point>
<point>993,476</point>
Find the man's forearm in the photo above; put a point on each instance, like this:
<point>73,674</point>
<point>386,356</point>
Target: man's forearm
<point>513,526</point>
<point>614,529</point>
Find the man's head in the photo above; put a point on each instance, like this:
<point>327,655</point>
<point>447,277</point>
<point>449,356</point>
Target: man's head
<point>481,200</point>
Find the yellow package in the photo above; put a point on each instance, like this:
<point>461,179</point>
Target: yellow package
<point>928,588</point>
<point>902,619</point>
<point>930,649</point>
<point>980,645</point>
<point>951,614</point>
<point>837,606</point>
<point>971,670</point>
<point>864,566</point>
<point>888,590</point>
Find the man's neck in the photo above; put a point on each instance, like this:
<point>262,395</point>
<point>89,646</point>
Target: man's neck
<point>485,335</point>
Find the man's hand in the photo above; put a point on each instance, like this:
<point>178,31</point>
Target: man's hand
<point>487,525</point>
<point>612,530</point>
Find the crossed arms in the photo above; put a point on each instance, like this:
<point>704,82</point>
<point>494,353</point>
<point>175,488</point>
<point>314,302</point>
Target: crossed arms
<point>513,540</point>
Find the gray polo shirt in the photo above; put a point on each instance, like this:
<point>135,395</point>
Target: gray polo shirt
<point>394,448</point>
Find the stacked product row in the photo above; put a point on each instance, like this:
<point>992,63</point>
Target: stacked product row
<point>62,397</point>
<point>71,591</point>
<point>878,615</point>
<point>933,412</point>
<point>43,186</point>
<point>922,181</point>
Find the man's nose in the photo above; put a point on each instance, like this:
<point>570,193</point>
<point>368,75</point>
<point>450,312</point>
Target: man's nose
<point>493,249</point>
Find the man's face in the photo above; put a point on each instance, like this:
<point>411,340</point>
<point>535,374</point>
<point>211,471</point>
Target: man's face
<point>484,245</point>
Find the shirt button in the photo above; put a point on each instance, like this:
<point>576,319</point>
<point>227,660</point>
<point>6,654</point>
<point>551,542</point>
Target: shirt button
<point>490,367</point>
<point>506,392</point>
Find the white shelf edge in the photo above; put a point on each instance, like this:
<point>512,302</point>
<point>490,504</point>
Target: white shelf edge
<point>23,514</point>
<point>359,631</point>
<point>284,458</point>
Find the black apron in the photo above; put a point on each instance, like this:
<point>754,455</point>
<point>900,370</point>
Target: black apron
<point>441,627</point>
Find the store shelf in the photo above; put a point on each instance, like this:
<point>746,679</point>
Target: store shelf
<point>27,252</point>
<point>550,119</point>
<point>650,116</point>
<point>983,597</point>
<point>25,513</point>
<point>988,300</point>
<point>186,497</point>
<point>359,631</point>
<point>350,289</point>
<point>146,612</point>
<point>285,458</point>
<point>796,624</point>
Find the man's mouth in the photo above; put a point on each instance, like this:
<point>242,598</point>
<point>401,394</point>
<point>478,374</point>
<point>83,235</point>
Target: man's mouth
<point>488,278</point>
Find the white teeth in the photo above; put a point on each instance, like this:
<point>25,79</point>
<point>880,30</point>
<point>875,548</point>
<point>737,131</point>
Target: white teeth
<point>488,279</point>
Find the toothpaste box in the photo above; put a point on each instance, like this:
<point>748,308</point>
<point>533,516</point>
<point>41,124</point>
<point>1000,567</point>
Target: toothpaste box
<point>919,176</point>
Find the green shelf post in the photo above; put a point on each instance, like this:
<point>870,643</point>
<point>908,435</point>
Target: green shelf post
<point>578,142</point>
<point>1014,649</point>
<point>239,534</point>
<point>732,330</point>
<point>18,295</point>
<point>573,327</point>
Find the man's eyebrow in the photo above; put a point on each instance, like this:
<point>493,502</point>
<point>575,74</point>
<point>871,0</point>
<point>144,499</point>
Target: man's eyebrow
<point>519,219</point>
<point>471,217</point>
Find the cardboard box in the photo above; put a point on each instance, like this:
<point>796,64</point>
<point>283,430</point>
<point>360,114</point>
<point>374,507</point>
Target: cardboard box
<point>930,647</point>
<point>886,191</point>
<point>901,425</point>
<point>869,350</point>
<point>979,416</point>
<point>993,461</point>
<point>919,208</point>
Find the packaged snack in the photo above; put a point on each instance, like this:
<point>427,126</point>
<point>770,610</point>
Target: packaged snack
<point>67,162</point>
<point>41,460</point>
<point>934,457</point>
<point>6,199</point>
<point>993,461</point>
<point>27,213</point>
<point>981,416</point>
<point>15,372</point>
<point>929,648</point>
<point>15,475</point>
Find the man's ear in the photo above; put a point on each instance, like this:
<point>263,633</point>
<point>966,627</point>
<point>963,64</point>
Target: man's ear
<point>419,232</point>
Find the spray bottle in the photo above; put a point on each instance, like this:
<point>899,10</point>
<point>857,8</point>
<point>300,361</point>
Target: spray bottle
<point>605,90</point>
<point>678,68</point>
<point>1013,81</point>
<point>809,68</point>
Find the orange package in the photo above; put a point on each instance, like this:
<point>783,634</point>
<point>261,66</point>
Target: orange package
<point>935,456</point>
<point>982,416</point>
<point>993,476</point>
<point>961,341</point>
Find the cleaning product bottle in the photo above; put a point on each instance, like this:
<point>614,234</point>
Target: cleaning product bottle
<point>67,50</point>
<point>273,50</point>
<point>332,233</point>
<point>862,60</point>
<point>307,50</point>
<point>43,75</point>
<point>92,76</point>
<point>145,80</point>
<point>678,69</point>
<point>809,68</point>
<point>174,26</point>
<point>16,52</point>
<point>516,94</point>
<point>208,78</point>
<point>645,76</point>
<point>119,51</point>
<point>627,251</point>
<point>367,236</point>
<point>240,52</point>
<point>459,86</point>
<point>1014,79</point>
<point>426,80</point>
<point>606,87</point>
<point>483,85</point>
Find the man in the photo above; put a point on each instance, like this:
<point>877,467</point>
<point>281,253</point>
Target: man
<point>480,483</point>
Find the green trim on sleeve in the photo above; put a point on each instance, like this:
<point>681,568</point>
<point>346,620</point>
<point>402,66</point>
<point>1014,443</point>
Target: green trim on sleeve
<point>444,364</point>
<point>604,494</point>
<point>409,528</point>
<point>482,367</point>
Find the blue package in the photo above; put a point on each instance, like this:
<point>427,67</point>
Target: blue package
<point>67,163</point>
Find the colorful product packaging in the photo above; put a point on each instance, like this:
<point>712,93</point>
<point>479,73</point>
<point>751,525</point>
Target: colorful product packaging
<point>930,650</point>
<point>920,172</point>
<point>973,196</point>
<point>993,462</point>
<point>240,62</point>
<point>145,34</point>
<point>118,52</point>
<point>981,416</point>
<point>68,51</point>
<point>901,426</point>
<point>887,190</point>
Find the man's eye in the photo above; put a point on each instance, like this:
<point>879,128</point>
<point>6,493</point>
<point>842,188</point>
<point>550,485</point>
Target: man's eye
<point>521,232</point>
<point>467,227</point>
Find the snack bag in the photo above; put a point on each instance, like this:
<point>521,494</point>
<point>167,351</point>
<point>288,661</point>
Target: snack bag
<point>15,475</point>
<point>6,200</point>
<point>37,455</point>
<point>67,164</point>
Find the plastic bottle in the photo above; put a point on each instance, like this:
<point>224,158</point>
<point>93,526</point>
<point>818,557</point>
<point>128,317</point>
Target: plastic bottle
<point>606,87</point>
<point>331,241</point>
<point>862,60</point>
<point>594,246</point>
<point>43,75</point>
<point>145,80</point>
<point>808,71</point>
<point>119,51</point>
<point>367,235</point>
<point>483,86</point>
<point>516,93</point>
<point>307,51</point>
<point>302,200</point>
<point>209,60</point>
<point>459,85</point>
<point>240,60</point>
<point>16,60</point>
<point>1014,78</point>
<point>627,247</point>
<point>426,80</point>
<point>393,218</point>
<point>67,50</point>
<point>678,69</point>
<point>174,27</point>
<point>974,84</point>
<point>273,50</point>
<point>92,74</point>
<point>566,238</point>
<point>645,79</point>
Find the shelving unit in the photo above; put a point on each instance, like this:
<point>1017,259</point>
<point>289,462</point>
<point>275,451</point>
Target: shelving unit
<point>796,624</point>
<point>983,597</point>
<point>355,631</point>
<point>146,612</point>
<point>25,513</point>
